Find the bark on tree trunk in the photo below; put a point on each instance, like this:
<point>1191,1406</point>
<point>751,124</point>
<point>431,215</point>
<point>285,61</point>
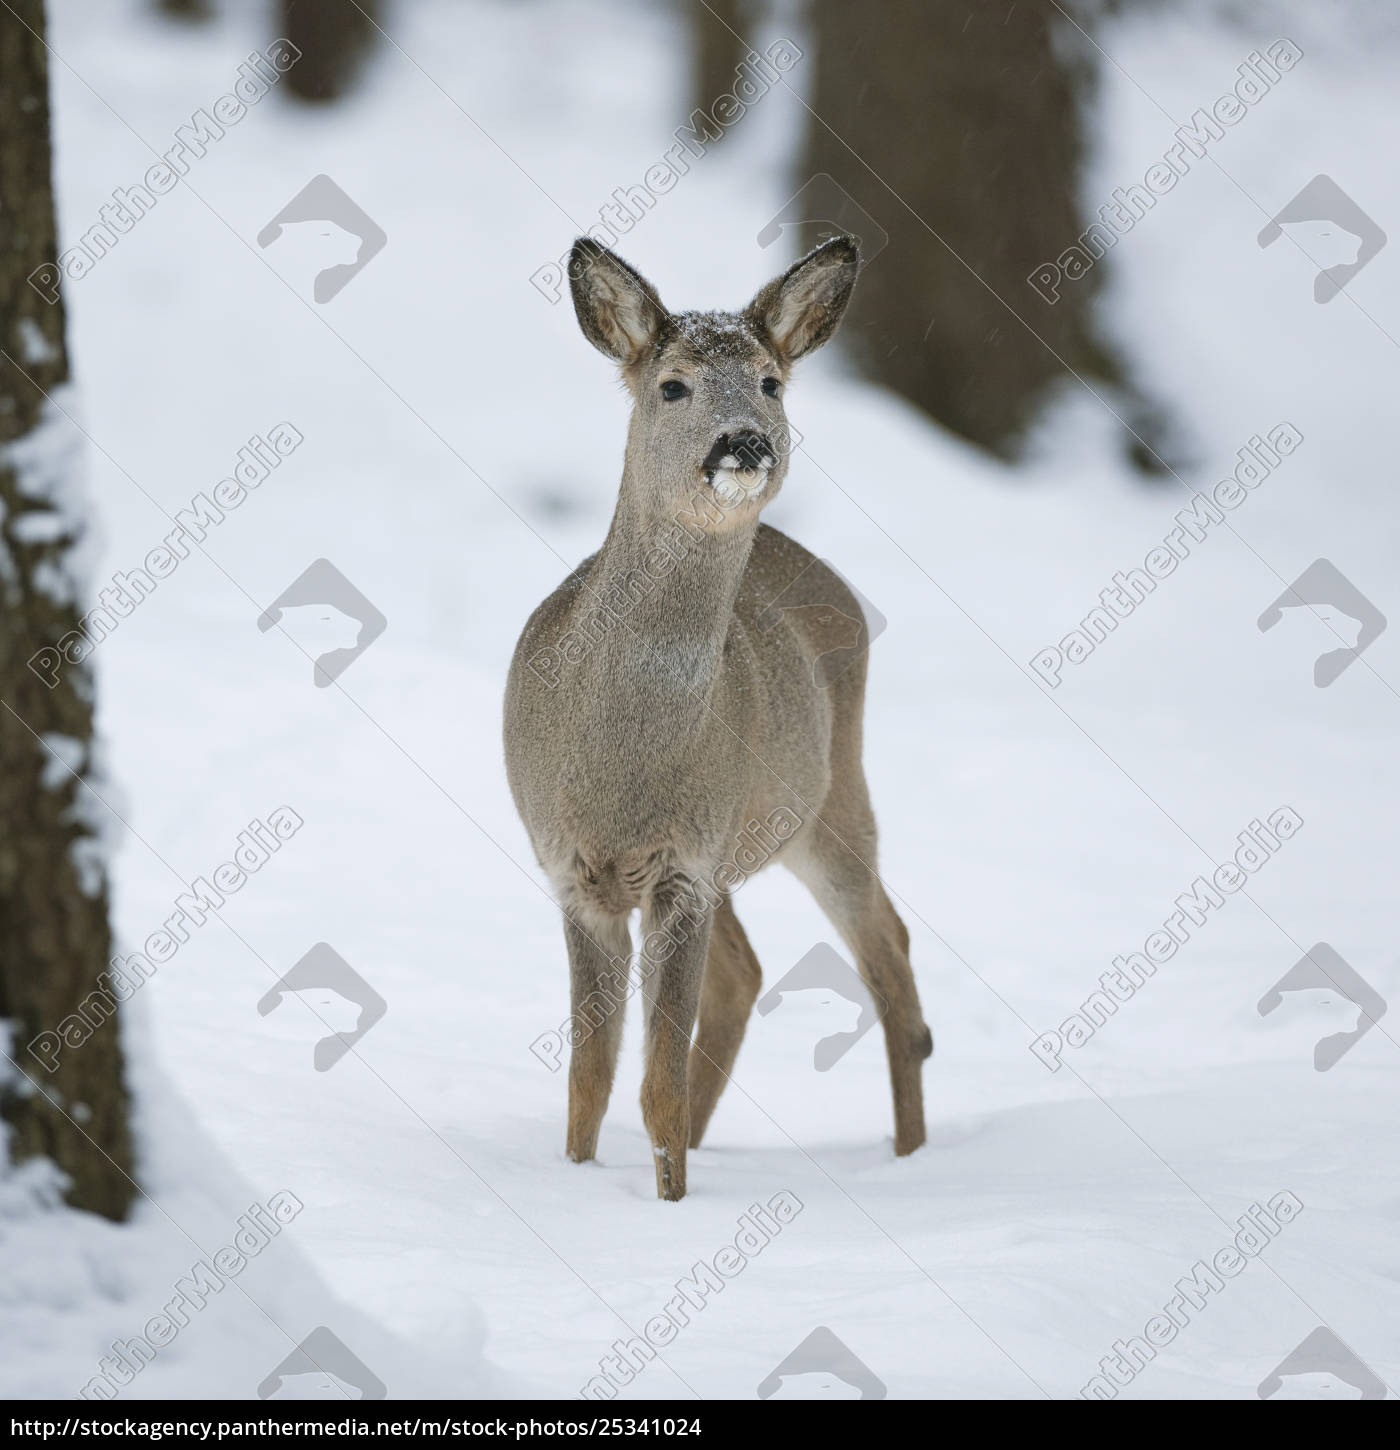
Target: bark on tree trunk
<point>54,932</point>
<point>333,37</point>
<point>970,111</point>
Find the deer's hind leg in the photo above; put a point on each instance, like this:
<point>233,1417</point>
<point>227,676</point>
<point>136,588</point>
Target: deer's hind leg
<point>731,987</point>
<point>837,865</point>
<point>600,950</point>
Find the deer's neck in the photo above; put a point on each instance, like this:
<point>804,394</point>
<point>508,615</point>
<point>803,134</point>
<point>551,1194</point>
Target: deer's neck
<point>670,586</point>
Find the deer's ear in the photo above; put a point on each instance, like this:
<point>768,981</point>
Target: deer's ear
<point>801,309</point>
<point>617,308</point>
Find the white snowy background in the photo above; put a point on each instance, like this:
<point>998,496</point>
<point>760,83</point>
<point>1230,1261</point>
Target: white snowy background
<point>462,449</point>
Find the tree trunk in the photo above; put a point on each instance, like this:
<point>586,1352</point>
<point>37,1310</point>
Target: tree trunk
<point>971,113</point>
<point>333,37</point>
<point>54,932</point>
<point>718,45</point>
<point>187,9</point>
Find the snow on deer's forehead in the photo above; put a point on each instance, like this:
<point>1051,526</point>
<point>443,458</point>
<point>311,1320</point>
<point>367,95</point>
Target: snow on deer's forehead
<point>714,336</point>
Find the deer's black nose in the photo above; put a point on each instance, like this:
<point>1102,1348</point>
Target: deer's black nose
<point>751,449</point>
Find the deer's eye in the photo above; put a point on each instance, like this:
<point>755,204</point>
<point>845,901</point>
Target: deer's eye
<point>673,390</point>
<point>770,386</point>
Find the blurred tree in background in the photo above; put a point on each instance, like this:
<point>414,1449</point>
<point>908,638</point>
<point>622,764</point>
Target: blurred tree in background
<point>718,47</point>
<point>971,113</point>
<point>54,932</point>
<point>334,38</point>
<point>187,9</point>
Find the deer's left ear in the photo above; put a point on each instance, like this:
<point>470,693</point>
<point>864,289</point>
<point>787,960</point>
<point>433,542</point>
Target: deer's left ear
<point>801,309</point>
<point>618,309</point>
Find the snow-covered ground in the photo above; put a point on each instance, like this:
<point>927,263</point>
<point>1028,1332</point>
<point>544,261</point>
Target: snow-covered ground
<point>461,446</point>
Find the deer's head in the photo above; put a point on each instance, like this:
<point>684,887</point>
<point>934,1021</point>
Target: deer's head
<point>707,387</point>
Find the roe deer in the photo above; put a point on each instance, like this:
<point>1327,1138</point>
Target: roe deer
<point>659,708</point>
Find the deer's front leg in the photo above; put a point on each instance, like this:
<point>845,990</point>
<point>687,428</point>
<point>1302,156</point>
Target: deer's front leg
<point>598,955</point>
<point>675,941</point>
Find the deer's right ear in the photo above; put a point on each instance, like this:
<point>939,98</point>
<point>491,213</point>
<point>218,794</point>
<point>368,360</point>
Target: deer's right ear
<point>617,308</point>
